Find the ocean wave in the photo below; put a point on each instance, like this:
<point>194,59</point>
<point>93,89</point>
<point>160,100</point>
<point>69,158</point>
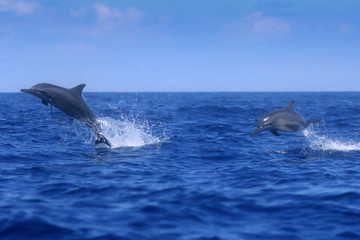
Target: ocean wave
<point>326,143</point>
<point>32,228</point>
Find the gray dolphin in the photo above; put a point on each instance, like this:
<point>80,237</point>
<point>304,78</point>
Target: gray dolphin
<point>71,102</point>
<point>286,120</point>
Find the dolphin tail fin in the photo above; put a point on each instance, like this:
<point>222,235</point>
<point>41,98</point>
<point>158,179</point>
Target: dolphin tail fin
<point>313,122</point>
<point>101,139</point>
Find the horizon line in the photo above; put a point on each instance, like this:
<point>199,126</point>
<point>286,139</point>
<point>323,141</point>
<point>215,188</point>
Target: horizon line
<point>245,91</point>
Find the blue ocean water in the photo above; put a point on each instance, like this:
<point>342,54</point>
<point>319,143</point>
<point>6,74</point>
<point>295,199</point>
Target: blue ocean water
<point>183,166</point>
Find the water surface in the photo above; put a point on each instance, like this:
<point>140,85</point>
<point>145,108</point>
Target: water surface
<point>183,166</point>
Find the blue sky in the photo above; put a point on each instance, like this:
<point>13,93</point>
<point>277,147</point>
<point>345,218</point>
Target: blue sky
<point>197,45</point>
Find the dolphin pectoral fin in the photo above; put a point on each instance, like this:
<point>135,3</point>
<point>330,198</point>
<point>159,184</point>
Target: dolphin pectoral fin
<point>275,132</point>
<point>101,139</point>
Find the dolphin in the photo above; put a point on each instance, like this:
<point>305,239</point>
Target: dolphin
<point>71,102</point>
<point>286,120</point>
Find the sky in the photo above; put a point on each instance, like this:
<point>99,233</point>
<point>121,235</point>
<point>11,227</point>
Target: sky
<point>181,45</point>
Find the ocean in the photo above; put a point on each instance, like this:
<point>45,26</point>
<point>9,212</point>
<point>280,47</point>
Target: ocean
<point>183,166</point>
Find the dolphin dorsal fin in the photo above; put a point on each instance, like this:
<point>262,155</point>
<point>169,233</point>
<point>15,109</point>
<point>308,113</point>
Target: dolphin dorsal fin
<point>290,105</point>
<point>78,90</point>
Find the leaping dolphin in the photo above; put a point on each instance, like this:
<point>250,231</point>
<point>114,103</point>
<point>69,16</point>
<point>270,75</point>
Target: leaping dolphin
<point>286,120</point>
<point>71,102</point>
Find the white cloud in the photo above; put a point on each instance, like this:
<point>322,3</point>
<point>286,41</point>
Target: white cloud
<point>81,12</point>
<point>18,7</point>
<point>270,25</point>
<point>108,18</point>
<point>111,15</point>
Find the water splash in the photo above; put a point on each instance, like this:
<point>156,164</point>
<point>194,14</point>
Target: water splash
<point>325,143</point>
<point>121,133</point>
<point>128,134</point>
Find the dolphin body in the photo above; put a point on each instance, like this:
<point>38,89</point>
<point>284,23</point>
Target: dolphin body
<point>71,102</point>
<point>286,120</point>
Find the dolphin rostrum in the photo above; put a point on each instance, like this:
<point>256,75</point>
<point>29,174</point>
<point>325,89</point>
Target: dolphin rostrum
<point>71,102</point>
<point>286,120</point>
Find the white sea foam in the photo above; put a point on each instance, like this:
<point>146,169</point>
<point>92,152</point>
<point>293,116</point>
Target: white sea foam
<point>121,133</point>
<point>325,143</point>
<point>277,151</point>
